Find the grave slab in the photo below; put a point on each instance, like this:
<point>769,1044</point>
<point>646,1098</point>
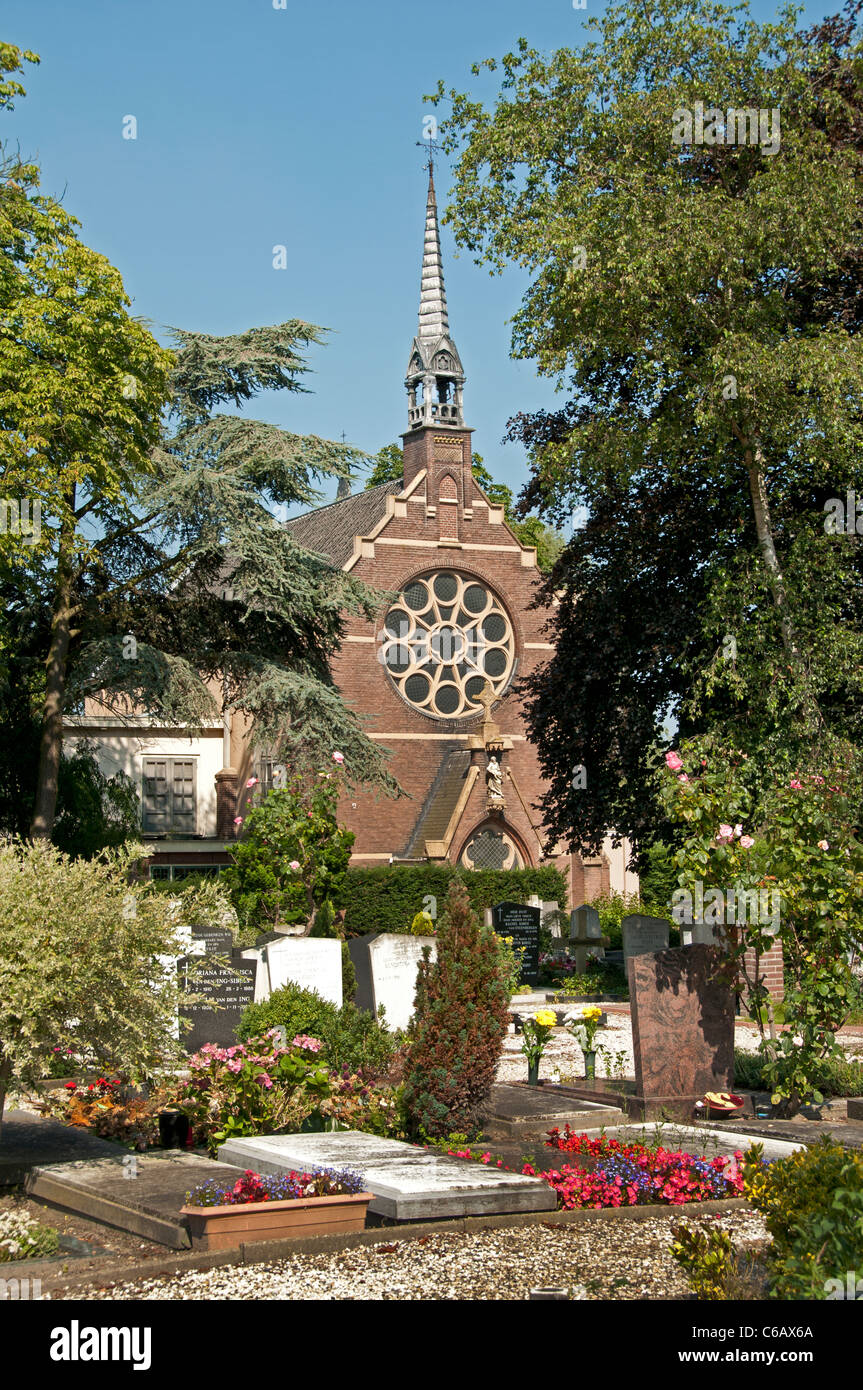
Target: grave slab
<point>141,1193</point>
<point>409,1183</point>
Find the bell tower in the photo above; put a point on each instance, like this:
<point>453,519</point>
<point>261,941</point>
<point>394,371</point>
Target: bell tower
<point>436,434</point>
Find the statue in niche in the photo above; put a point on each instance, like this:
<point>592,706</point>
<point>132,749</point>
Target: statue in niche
<point>494,779</point>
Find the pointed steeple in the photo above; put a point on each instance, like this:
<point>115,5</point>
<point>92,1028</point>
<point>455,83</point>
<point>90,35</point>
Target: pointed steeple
<point>434,366</point>
<point>433,319</point>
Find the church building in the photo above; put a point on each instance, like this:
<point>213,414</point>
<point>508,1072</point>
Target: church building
<point>435,669</point>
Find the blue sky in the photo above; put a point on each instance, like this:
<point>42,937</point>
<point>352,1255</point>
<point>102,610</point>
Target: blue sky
<point>259,127</point>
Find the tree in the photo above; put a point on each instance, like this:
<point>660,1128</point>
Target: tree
<point>718,387</point>
<point>86,963</point>
<point>293,856</point>
<point>94,812</point>
<point>389,467</point>
<point>460,1023</point>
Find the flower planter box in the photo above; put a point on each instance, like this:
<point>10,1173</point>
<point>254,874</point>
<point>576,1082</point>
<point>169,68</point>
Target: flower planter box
<point>223,1228</point>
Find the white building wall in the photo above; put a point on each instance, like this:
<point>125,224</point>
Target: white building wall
<point>123,749</point>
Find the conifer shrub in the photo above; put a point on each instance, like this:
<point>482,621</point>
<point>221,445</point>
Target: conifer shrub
<point>460,1022</point>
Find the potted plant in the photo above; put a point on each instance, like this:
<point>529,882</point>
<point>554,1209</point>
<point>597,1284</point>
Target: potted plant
<point>323,1201</point>
<point>536,1031</point>
<point>583,1028</point>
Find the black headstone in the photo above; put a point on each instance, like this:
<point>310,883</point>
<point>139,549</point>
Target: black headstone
<point>521,923</point>
<point>218,941</point>
<point>233,990</point>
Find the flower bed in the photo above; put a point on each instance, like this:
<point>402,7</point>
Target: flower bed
<point>612,1174</point>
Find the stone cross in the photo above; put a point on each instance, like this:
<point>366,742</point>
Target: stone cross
<point>585,935</point>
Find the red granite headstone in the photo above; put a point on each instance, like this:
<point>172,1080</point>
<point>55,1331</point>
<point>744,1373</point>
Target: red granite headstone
<point>682,1005</point>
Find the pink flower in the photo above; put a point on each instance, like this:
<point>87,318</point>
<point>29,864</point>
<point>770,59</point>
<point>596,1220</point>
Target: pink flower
<point>338,757</point>
<point>738,830</point>
<point>294,865</point>
<point>264,1080</point>
<point>306,1043</point>
<point>673,761</point>
<point>798,786</point>
<point>238,820</point>
<point>235,1065</point>
<point>822,844</point>
<point>252,782</point>
<point>746,842</point>
<point>683,777</point>
<point>725,832</point>
<point>309,814</point>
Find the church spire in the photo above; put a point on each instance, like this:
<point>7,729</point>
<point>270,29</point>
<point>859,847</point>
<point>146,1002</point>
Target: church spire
<point>433,319</point>
<point>435,375</point>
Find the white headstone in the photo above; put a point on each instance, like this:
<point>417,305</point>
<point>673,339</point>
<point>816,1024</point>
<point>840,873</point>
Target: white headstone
<point>643,935</point>
<point>386,966</point>
<point>308,961</point>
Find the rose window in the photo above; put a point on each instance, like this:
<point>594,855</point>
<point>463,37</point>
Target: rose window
<point>491,849</point>
<point>444,638</point>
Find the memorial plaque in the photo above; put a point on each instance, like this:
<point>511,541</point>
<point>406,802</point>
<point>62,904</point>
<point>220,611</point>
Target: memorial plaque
<point>643,935</point>
<point>521,922</point>
<point>682,1007</point>
<point>232,989</point>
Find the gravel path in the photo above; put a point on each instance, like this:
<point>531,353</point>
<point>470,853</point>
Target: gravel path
<point>602,1259</point>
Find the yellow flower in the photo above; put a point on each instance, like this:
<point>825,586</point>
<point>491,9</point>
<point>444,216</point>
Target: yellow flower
<point>593,1011</point>
<point>546,1018</point>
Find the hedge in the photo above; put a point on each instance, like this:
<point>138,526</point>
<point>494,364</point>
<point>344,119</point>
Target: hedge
<point>388,898</point>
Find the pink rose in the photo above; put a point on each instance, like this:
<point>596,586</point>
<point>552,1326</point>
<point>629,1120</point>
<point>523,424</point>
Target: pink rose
<point>683,777</point>
<point>798,786</point>
<point>294,865</point>
<point>673,761</point>
<point>822,844</point>
<point>746,842</point>
<point>338,757</point>
<point>725,832</point>
<point>252,782</point>
<point>238,820</point>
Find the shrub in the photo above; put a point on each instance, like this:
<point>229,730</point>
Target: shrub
<point>461,1021</point>
<point>352,1038</point>
<point>812,1202</point>
<point>292,1008</point>
<point>422,925</point>
<point>388,898</point>
<point>831,1076</point>
<point>349,976</point>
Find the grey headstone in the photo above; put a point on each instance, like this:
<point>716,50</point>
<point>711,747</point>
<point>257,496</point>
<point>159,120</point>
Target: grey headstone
<point>311,962</point>
<point>642,935</point>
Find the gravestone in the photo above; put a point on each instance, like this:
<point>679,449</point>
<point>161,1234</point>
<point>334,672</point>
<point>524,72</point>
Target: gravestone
<point>211,941</point>
<point>386,966</point>
<point>682,1008</point>
<point>309,961</point>
<point>586,940</point>
<point>703,934</point>
<point>232,989</point>
<point>643,935</point>
<point>521,922</point>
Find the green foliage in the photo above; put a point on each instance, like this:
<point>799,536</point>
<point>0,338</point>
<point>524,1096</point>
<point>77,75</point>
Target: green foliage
<point>388,898</point>
<point>80,951</point>
<point>812,1202</point>
<point>461,1021</point>
<point>707,1259</point>
<point>352,1038</point>
<point>292,1008</point>
<point>292,857</point>
<point>831,1076</point>
<point>511,961</point>
<point>793,844</point>
<point>613,907</point>
<point>422,925</point>
<point>94,812</point>
<point>349,975</point>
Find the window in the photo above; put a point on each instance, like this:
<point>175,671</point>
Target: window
<point>169,803</point>
<point>164,872</point>
<point>444,638</point>
<point>491,849</point>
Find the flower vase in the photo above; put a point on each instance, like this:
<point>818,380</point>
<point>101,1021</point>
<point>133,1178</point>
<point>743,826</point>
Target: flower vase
<point>589,1065</point>
<point>533,1073</point>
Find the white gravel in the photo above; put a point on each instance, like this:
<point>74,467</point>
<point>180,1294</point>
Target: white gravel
<point>612,1258</point>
